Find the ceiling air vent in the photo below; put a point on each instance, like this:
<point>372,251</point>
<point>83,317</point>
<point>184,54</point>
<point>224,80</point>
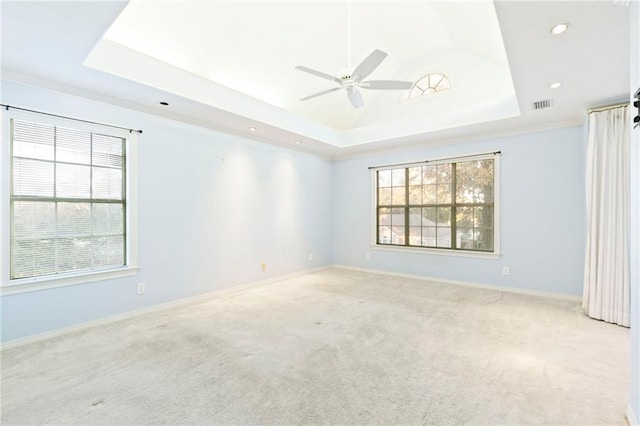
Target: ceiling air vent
<point>542,104</point>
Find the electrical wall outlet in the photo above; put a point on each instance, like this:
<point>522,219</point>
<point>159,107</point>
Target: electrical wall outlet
<point>263,266</point>
<point>367,256</point>
<point>506,270</point>
<point>140,288</point>
<point>310,257</point>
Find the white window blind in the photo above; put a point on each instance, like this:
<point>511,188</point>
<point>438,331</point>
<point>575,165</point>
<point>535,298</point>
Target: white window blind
<point>67,203</point>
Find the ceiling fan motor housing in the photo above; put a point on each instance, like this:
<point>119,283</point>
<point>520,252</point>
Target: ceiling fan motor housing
<point>348,80</point>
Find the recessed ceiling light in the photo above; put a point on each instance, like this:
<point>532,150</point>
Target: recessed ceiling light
<point>298,142</point>
<point>555,85</point>
<point>164,103</point>
<point>252,129</point>
<point>559,29</point>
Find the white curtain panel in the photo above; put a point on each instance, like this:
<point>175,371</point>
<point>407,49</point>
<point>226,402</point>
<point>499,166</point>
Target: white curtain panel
<point>606,277</point>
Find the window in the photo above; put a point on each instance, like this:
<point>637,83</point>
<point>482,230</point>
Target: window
<point>68,201</point>
<point>429,84</point>
<point>440,205</point>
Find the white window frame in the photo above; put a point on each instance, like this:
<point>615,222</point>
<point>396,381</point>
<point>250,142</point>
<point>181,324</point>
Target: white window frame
<point>9,286</point>
<point>441,251</point>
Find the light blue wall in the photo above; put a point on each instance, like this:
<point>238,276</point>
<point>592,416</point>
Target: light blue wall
<point>542,208</point>
<point>212,207</point>
<point>634,56</point>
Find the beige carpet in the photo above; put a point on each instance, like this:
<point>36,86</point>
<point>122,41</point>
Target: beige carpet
<point>331,347</point>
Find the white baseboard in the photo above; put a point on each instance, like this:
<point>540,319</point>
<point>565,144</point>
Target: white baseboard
<point>631,417</point>
<point>199,298</point>
<point>550,295</point>
<point>137,312</point>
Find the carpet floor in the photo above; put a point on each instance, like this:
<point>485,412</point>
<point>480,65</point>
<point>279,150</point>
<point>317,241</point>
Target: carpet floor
<point>331,347</point>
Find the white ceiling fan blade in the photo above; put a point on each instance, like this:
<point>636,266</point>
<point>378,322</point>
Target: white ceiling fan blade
<point>386,85</point>
<point>355,97</point>
<point>367,66</point>
<point>319,74</point>
<point>324,92</point>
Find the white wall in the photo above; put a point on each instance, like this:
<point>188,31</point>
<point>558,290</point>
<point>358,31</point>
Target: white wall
<point>542,209</point>
<point>212,207</point>
<point>634,56</point>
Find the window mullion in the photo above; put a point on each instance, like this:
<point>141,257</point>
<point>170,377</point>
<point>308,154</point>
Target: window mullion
<point>125,223</point>
<point>91,259</point>
<point>454,212</point>
<point>91,166</point>
<point>11,201</point>
<point>378,208</point>
<point>55,198</point>
<point>406,206</point>
<point>377,220</point>
<point>377,205</point>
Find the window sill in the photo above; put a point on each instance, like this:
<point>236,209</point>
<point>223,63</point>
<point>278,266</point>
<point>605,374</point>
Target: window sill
<point>25,285</point>
<point>439,252</point>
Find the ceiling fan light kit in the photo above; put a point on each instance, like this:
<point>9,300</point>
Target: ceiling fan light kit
<point>355,97</point>
<point>352,82</point>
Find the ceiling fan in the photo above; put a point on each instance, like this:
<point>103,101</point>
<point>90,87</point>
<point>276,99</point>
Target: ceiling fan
<point>352,82</point>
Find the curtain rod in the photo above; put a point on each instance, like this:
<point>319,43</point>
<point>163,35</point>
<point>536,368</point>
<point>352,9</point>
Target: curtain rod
<point>69,118</point>
<point>608,107</point>
<point>438,160</point>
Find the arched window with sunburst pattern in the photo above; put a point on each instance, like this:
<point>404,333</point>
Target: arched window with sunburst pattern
<point>430,83</point>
